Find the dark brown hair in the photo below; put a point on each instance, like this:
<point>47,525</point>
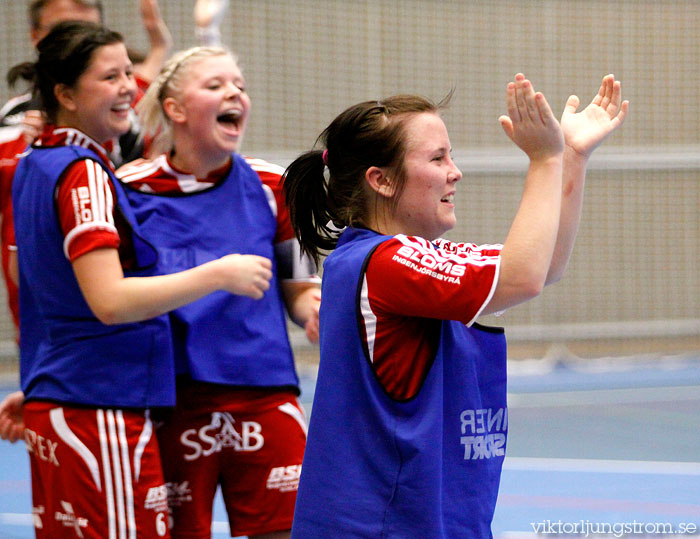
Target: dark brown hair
<point>365,135</point>
<point>64,54</point>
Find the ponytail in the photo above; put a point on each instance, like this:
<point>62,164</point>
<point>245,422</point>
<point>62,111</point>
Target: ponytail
<point>306,192</point>
<point>25,71</point>
<point>326,190</point>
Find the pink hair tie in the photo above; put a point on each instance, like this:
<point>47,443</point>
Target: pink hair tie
<point>324,156</point>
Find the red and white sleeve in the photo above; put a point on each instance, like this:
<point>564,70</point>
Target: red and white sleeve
<point>85,205</point>
<point>409,276</point>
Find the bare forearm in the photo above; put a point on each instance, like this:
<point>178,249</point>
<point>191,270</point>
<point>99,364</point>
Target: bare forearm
<point>583,132</point>
<point>132,299</point>
<point>116,299</point>
<point>574,178</point>
<point>159,38</point>
<point>301,300</point>
<point>527,252</point>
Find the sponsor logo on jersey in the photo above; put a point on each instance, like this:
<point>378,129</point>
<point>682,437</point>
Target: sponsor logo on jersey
<point>432,260</point>
<point>178,493</point>
<point>43,448</point>
<point>70,520</point>
<point>36,516</point>
<point>284,478</point>
<point>221,433</point>
<point>430,263</point>
<point>157,498</point>
<point>483,432</point>
<point>82,204</point>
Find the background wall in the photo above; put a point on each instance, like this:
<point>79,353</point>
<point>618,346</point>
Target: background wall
<point>633,280</point>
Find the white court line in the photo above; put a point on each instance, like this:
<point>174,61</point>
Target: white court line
<point>17,519</point>
<point>652,467</point>
<point>510,463</point>
<point>25,519</point>
<point>603,396</point>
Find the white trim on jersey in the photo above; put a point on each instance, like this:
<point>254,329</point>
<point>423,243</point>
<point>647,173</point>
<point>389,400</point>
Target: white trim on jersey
<point>187,182</point>
<point>58,422</point>
<point>10,132</point>
<point>138,171</point>
<point>260,165</point>
<point>14,102</point>
<point>270,199</point>
<point>369,318</point>
<point>97,191</point>
<point>82,228</point>
<point>296,414</point>
<point>77,138</point>
<point>101,205</point>
<point>494,283</point>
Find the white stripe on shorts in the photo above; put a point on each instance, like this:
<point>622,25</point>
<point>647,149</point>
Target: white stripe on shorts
<point>58,422</point>
<point>289,409</point>
<point>109,493</point>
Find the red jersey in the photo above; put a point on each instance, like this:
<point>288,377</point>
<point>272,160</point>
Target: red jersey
<point>85,199</point>
<point>411,286</point>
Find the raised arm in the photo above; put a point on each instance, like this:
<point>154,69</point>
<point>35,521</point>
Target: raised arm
<point>583,132</point>
<point>115,299</point>
<point>527,252</point>
<point>207,19</point>
<point>159,40</point>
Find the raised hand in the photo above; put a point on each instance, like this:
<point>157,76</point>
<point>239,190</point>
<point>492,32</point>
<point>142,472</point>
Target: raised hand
<point>160,40</point>
<point>585,130</point>
<point>209,12</point>
<point>207,19</point>
<point>153,23</point>
<point>246,275</point>
<point>530,122</point>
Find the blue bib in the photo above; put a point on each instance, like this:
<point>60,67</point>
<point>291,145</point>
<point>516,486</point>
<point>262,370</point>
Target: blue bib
<point>221,338</point>
<point>67,354</point>
<point>376,467</point>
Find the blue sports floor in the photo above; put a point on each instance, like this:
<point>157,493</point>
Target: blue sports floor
<point>604,448</point>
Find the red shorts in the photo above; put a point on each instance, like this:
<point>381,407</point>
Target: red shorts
<point>250,442</point>
<point>95,473</point>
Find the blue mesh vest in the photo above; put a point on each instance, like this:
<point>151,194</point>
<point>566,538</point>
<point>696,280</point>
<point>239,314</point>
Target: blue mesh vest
<point>376,467</point>
<point>221,338</point>
<point>67,354</point>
